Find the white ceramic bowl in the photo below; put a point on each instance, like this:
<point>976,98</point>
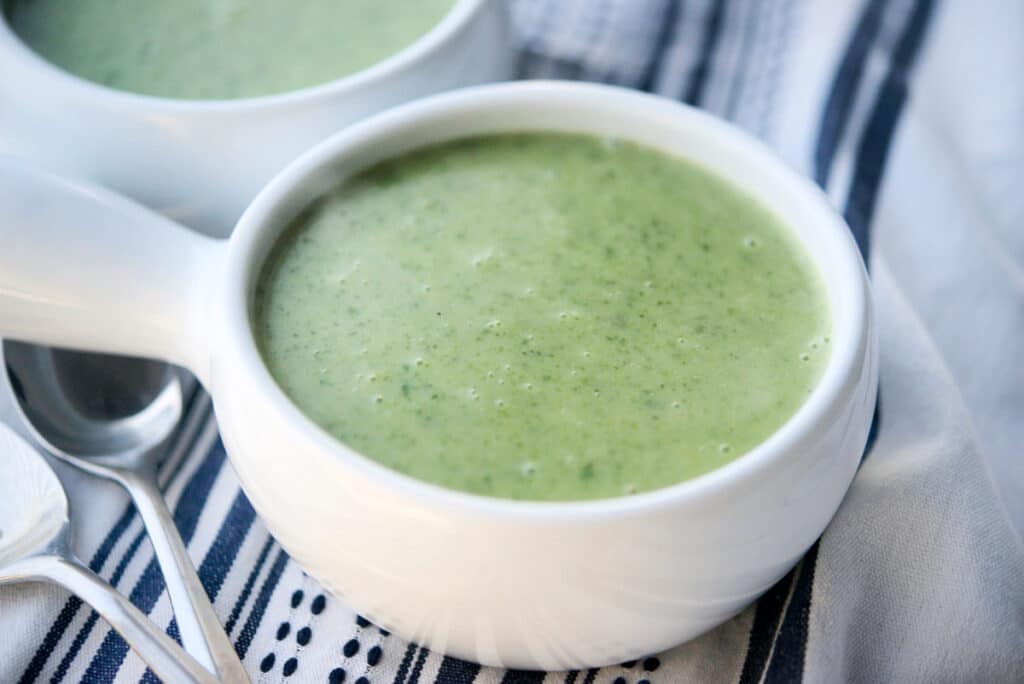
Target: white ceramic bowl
<point>202,161</point>
<point>522,584</point>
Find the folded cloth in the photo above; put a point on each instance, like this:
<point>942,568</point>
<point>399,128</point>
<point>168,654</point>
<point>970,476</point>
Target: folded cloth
<point>909,114</point>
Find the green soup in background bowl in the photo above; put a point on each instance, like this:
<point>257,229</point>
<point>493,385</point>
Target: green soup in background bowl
<point>529,584</point>
<point>219,49</point>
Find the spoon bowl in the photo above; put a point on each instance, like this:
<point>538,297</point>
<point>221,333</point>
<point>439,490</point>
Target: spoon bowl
<point>35,545</point>
<point>120,436</point>
<point>128,450</point>
<point>33,506</point>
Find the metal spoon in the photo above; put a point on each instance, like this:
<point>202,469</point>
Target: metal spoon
<point>125,450</point>
<point>35,545</point>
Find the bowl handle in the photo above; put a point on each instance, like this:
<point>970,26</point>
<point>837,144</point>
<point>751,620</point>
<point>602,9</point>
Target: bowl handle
<point>84,268</point>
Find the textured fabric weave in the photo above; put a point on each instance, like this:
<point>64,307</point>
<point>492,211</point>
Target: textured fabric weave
<point>909,113</point>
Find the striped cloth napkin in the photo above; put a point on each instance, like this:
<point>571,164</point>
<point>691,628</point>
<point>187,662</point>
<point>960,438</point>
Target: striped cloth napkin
<point>909,113</point>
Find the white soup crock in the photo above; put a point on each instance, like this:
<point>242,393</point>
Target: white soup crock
<point>201,162</point>
<point>517,584</point>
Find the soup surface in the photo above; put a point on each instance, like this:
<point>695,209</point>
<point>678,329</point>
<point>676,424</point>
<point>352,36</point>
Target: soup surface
<point>543,316</point>
<point>219,49</point>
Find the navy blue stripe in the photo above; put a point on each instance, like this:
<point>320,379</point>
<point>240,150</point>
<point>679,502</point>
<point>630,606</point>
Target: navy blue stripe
<point>876,421</point>
<point>90,622</point>
<point>252,623</point>
<point>222,553</point>
<point>530,58</point>
<point>712,32</point>
<point>99,559</point>
<point>194,496</point>
<point>841,98</point>
<point>591,676</point>
<point>195,428</point>
<point>666,36</point>
<point>875,144</point>
<point>788,656</point>
<point>525,64</point>
<point>70,609</point>
<point>148,677</point>
<point>523,677</point>
<point>787,659</point>
<point>403,667</point>
<point>747,44</point>
<point>172,631</point>
<point>219,558</point>
<point>108,659</point>
<point>417,669</point>
<point>531,64</point>
<point>455,671</point>
<point>250,582</point>
<point>571,676</point>
<point>767,616</point>
<point>65,663</point>
<point>53,635</point>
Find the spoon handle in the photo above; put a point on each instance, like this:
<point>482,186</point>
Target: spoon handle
<point>158,650</point>
<point>200,629</point>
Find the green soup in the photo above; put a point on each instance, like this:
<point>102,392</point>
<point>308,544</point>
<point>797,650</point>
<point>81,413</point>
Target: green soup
<point>543,316</point>
<point>217,49</point>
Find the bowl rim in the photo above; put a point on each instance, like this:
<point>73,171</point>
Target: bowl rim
<point>21,57</point>
<point>259,228</point>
